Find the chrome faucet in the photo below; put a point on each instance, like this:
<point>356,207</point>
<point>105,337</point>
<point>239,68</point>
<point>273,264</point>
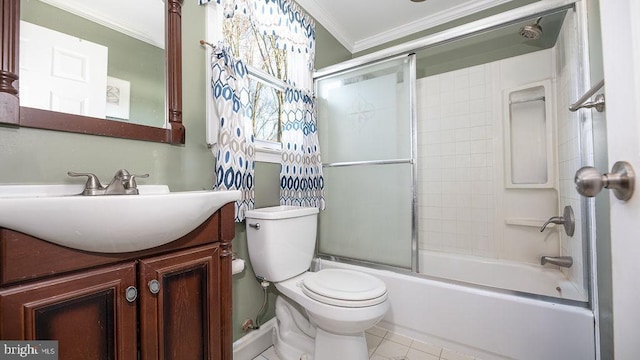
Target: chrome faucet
<point>123,183</point>
<point>562,261</point>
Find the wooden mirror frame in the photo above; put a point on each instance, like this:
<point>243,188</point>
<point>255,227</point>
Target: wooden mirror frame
<point>11,113</point>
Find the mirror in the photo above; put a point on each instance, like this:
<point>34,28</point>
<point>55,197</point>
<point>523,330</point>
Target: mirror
<point>91,59</point>
<point>141,120</point>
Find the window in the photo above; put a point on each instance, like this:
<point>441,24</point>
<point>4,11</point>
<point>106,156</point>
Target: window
<point>267,110</point>
<point>276,40</point>
<point>267,65</point>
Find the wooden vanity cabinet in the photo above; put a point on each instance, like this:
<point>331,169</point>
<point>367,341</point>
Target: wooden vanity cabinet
<point>179,304</point>
<point>87,313</point>
<point>181,320</point>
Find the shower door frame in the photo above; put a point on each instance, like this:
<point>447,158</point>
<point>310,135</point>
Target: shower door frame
<point>412,160</point>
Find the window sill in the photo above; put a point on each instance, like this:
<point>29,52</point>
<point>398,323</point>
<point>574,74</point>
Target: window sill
<point>269,152</point>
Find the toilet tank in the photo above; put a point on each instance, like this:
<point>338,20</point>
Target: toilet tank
<point>281,240</point>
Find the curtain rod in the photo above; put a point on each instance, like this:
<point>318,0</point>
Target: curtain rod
<point>258,74</point>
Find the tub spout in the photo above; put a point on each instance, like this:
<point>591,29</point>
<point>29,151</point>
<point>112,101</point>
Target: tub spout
<point>562,261</point>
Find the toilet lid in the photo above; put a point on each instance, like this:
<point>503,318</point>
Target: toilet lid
<point>343,287</point>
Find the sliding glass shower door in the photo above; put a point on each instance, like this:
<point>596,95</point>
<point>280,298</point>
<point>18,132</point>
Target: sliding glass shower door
<point>366,132</point>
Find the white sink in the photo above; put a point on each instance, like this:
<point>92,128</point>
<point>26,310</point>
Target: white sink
<point>110,223</point>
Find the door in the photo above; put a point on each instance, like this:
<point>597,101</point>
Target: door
<point>180,316</point>
<point>366,125</point>
<point>62,73</point>
<point>621,56</point>
<point>86,313</point>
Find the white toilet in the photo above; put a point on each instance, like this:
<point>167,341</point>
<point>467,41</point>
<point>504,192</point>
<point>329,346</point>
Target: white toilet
<point>320,315</point>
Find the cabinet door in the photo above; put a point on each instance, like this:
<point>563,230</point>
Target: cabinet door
<point>180,305</point>
<point>86,313</point>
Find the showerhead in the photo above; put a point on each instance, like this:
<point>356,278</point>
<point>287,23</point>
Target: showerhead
<point>532,31</point>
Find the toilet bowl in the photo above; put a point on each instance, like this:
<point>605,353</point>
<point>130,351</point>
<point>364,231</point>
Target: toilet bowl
<point>320,315</point>
<point>340,320</point>
<point>339,314</point>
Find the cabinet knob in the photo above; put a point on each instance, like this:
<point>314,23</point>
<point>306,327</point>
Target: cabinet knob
<point>131,294</point>
<point>154,286</point>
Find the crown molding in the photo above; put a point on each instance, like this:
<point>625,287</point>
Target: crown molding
<point>356,45</point>
<point>327,21</point>
<point>427,22</point>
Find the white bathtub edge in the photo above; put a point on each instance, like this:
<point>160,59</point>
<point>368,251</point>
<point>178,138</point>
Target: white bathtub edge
<point>484,323</point>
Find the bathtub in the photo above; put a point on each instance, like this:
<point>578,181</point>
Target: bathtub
<point>509,275</point>
<point>480,322</point>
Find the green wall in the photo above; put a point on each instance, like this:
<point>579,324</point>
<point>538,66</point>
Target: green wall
<point>329,51</point>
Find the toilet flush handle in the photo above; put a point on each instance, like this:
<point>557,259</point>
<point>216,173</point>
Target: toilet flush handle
<point>255,226</point>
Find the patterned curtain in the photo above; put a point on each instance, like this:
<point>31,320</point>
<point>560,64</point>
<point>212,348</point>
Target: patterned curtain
<point>294,32</point>
<point>235,150</point>
<point>301,180</point>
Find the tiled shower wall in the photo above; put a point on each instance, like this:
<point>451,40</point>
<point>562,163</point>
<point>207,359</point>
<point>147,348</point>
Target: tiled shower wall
<point>464,206</point>
<point>455,153</point>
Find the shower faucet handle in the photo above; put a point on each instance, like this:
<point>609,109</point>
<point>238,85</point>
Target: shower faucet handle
<point>567,220</point>
<point>554,219</point>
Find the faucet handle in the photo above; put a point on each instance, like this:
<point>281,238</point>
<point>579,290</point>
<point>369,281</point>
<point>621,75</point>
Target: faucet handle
<point>131,180</point>
<point>554,219</point>
<point>567,220</point>
<point>92,180</point>
<point>128,179</point>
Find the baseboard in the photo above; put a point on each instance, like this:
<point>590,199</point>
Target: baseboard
<point>254,343</point>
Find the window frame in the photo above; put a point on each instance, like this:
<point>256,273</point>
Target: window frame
<point>267,151</point>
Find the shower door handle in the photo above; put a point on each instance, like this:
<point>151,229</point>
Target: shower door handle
<point>589,182</point>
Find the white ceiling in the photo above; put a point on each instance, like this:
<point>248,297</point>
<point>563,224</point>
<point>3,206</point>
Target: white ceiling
<point>362,24</point>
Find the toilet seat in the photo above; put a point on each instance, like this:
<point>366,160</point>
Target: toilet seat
<point>345,288</point>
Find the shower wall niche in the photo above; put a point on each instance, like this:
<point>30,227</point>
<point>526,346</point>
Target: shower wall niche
<point>528,136</point>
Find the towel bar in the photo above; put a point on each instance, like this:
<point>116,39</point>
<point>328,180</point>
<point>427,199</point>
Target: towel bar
<point>582,102</point>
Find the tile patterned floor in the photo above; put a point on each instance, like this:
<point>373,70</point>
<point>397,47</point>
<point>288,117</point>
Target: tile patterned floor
<point>385,345</point>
